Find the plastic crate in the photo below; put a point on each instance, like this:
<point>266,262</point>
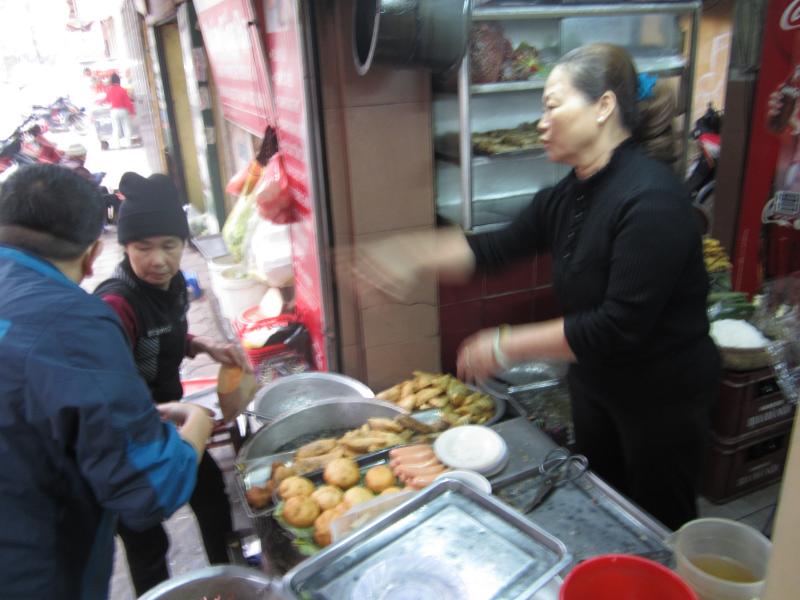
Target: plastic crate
<point>748,402</point>
<point>754,461</point>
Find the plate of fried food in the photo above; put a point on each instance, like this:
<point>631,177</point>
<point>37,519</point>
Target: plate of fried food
<point>455,402</point>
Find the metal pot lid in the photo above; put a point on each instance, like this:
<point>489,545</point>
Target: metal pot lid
<point>228,581</point>
<point>301,390</point>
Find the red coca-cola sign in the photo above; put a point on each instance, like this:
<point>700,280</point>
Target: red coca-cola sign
<point>767,241</point>
<point>790,19</point>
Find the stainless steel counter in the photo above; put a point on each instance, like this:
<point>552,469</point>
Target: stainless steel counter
<point>589,516</point>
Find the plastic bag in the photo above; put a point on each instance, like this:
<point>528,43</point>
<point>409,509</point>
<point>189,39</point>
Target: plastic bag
<point>361,514</point>
<point>273,197</point>
<point>778,316</point>
<point>239,224</point>
<point>236,183</point>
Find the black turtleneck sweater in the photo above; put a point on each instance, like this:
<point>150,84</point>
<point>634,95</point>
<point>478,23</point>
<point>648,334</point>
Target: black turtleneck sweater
<point>627,270</point>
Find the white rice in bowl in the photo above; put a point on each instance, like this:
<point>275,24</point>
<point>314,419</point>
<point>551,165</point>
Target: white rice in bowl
<point>735,333</point>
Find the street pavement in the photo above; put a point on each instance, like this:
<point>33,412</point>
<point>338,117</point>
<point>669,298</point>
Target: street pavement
<point>113,162</point>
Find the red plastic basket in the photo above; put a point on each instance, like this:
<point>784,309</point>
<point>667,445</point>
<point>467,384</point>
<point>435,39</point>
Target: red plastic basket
<point>190,386</point>
<point>252,319</point>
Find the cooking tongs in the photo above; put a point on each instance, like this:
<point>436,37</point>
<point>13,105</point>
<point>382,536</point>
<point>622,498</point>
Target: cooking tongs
<point>558,467</point>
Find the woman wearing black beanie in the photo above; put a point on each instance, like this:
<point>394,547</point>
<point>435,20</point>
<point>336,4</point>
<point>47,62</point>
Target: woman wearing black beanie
<point>148,293</point>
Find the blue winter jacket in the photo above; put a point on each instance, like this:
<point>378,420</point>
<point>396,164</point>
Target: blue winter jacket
<point>81,443</point>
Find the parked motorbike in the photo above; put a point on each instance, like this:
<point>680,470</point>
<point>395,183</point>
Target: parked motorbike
<point>36,145</point>
<point>12,154</point>
<point>702,173</point>
<point>28,145</point>
<point>63,115</point>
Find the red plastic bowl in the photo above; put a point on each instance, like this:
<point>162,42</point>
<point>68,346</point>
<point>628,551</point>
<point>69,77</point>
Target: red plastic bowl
<point>623,577</point>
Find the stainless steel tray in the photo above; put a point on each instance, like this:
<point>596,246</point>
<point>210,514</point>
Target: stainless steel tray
<point>491,549</point>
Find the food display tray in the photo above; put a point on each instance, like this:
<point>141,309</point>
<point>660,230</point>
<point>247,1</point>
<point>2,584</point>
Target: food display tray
<point>256,472</point>
<point>259,471</point>
<point>494,553</point>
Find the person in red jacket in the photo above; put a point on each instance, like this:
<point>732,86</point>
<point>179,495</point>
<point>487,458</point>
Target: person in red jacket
<point>121,111</point>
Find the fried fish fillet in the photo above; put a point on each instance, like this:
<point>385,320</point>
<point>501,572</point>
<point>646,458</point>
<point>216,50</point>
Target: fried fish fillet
<point>316,448</point>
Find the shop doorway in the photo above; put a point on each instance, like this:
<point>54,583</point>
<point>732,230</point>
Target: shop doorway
<point>176,121</point>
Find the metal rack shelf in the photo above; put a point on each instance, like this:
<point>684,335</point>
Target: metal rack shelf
<point>507,86</point>
<point>667,60</point>
<point>508,13</point>
<point>485,159</point>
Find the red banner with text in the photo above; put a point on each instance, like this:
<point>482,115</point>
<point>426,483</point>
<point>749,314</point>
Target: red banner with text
<point>284,53</point>
<point>234,48</point>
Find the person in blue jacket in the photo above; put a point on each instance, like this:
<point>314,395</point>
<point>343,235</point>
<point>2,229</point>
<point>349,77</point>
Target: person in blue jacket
<point>81,443</point>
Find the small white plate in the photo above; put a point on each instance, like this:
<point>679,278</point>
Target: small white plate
<point>476,481</point>
<point>471,447</point>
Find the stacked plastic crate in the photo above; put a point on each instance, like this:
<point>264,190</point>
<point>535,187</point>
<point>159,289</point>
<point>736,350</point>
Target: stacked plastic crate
<point>751,426</point>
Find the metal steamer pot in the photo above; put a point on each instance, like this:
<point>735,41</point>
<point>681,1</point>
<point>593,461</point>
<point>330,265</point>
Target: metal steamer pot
<point>325,418</point>
<point>410,33</point>
<point>229,581</point>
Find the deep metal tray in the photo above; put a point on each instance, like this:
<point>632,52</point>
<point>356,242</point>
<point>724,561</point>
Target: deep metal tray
<point>494,552</point>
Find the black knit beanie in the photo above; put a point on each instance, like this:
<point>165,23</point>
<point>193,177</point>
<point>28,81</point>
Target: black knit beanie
<point>150,208</point>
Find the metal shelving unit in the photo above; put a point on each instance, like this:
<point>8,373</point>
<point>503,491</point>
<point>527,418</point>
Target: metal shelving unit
<point>663,64</point>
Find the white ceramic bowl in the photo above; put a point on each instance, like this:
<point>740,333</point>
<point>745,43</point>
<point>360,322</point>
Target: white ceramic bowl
<point>473,448</point>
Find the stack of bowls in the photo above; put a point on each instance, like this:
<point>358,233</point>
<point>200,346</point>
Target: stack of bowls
<point>472,448</point>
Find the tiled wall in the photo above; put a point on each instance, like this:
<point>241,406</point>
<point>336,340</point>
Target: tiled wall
<point>520,294</point>
<point>380,177</point>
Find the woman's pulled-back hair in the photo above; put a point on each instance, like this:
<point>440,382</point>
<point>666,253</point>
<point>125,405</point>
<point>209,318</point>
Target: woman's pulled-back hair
<point>597,68</point>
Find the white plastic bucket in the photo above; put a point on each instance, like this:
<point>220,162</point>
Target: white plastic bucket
<point>215,268</point>
<point>724,541</point>
<point>238,291</point>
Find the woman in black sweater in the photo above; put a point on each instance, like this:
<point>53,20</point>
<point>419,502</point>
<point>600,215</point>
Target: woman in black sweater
<point>628,273</point>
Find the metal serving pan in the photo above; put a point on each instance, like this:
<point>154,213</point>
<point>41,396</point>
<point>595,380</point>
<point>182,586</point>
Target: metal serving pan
<point>326,418</point>
<point>447,530</point>
<point>229,581</point>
